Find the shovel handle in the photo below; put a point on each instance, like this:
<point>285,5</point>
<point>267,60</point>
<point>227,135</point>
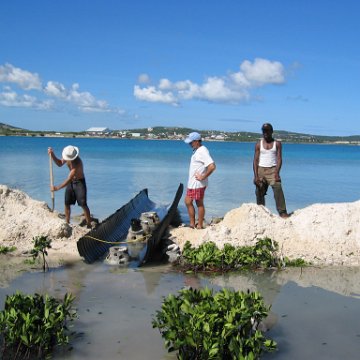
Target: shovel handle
<point>51,174</point>
<point>51,182</point>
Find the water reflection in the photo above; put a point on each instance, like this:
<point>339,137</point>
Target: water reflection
<point>312,308</point>
<point>341,280</point>
<point>315,324</point>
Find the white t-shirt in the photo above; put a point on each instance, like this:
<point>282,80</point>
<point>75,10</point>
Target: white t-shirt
<point>200,160</point>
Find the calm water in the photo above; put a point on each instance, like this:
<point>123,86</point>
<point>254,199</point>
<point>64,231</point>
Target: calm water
<point>116,170</point>
<point>314,312</point>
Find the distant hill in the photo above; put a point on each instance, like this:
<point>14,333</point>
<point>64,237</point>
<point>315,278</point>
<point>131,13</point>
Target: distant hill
<point>162,132</point>
<point>6,127</point>
<point>282,135</point>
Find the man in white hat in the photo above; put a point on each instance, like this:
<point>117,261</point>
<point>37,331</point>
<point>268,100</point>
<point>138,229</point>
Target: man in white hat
<point>75,183</point>
<point>201,167</point>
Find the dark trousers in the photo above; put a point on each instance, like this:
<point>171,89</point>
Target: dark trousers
<point>267,177</point>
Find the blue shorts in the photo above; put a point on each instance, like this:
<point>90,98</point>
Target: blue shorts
<point>76,192</point>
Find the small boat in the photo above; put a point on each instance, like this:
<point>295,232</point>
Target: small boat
<point>114,230</point>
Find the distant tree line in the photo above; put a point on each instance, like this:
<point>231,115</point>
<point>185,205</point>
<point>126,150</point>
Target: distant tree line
<point>163,132</point>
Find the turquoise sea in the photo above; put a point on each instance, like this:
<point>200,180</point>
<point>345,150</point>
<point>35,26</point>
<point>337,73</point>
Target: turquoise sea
<point>117,169</point>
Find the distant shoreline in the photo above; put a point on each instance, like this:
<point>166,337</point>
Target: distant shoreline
<point>179,133</point>
<point>80,136</point>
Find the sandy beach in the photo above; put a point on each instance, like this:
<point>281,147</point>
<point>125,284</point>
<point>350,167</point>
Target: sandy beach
<point>323,234</point>
<point>302,298</point>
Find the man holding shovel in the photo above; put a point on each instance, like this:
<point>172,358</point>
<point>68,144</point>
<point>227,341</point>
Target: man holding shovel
<point>75,182</point>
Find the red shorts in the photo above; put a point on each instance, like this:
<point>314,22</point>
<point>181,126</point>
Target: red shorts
<point>196,194</point>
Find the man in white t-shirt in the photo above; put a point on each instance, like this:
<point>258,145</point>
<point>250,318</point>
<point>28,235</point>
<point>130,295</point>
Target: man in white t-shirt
<point>201,167</point>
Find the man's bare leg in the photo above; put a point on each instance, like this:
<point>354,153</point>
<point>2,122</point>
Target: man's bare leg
<point>87,215</point>
<point>201,213</point>
<point>67,213</point>
<point>191,210</point>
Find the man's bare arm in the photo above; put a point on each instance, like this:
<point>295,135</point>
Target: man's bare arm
<point>256,161</point>
<point>278,159</point>
<point>209,170</point>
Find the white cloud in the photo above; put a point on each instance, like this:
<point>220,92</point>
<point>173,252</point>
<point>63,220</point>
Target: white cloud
<point>151,94</point>
<point>240,80</point>
<point>217,90</point>
<point>263,72</point>
<point>165,84</point>
<point>187,89</point>
<point>83,100</point>
<point>143,79</point>
<point>24,79</point>
<point>232,88</point>
<point>12,99</point>
<point>55,89</point>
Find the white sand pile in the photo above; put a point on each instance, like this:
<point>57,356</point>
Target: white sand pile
<point>323,234</point>
<point>23,218</point>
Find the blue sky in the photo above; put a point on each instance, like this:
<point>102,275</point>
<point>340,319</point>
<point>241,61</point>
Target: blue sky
<point>225,65</point>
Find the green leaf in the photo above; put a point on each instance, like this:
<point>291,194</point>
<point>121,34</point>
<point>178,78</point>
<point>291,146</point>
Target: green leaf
<point>203,325</point>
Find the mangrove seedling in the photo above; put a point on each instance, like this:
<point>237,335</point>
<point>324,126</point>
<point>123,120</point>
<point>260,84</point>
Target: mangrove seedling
<point>7,249</point>
<point>41,244</point>
<point>201,325</point>
<point>31,325</point>
<point>208,257</point>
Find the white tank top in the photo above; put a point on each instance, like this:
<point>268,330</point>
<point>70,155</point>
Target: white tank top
<point>267,157</point>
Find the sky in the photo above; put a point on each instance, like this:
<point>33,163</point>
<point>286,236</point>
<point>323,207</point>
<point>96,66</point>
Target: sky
<point>227,65</point>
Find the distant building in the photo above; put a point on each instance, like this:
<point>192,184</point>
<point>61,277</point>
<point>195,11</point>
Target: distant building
<point>135,134</point>
<point>218,137</point>
<point>121,134</point>
<point>98,131</point>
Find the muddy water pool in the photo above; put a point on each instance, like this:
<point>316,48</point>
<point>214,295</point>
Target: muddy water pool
<point>315,312</point>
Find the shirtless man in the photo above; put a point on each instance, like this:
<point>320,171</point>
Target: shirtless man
<point>267,164</point>
<point>75,183</point>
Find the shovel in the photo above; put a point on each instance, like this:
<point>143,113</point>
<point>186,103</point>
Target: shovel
<point>51,183</point>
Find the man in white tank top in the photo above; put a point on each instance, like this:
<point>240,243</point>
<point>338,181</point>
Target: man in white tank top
<point>266,166</point>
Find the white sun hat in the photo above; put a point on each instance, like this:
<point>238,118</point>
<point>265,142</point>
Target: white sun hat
<point>70,153</point>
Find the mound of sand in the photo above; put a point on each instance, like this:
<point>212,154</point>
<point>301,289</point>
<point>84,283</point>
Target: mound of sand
<point>323,234</point>
<point>23,218</point>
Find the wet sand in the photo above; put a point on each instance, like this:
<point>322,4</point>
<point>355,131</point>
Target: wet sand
<point>314,312</point>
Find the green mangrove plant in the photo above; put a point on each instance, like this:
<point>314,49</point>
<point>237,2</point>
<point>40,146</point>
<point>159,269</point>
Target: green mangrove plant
<point>7,249</point>
<point>32,325</point>
<point>208,257</point>
<point>201,325</point>
<point>41,244</point>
